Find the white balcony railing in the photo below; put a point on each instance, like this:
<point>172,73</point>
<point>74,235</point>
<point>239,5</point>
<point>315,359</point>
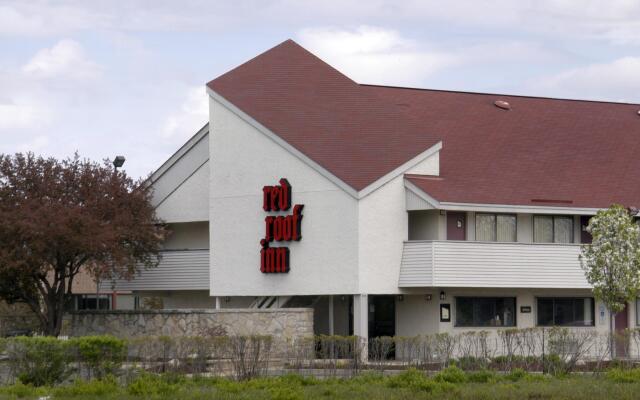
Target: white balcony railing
<point>489,264</point>
<point>178,270</point>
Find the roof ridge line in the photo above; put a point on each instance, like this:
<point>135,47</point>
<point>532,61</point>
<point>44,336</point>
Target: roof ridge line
<point>498,94</point>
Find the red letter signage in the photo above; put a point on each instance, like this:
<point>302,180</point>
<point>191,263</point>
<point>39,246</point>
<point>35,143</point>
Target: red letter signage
<point>279,228</point>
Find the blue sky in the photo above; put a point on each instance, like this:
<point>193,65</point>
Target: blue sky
<point>127,77</point>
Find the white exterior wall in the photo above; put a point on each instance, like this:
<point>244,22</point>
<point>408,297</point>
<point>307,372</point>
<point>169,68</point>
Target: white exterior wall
<point>180,299</point>
<point>415,315</point>
<point>244,160</point>
<point>180,186</point>
<point>426,225</point>
<point>192,235</point>
<point>491,264</point>
<point>190,200</point>
<point>382,227</point>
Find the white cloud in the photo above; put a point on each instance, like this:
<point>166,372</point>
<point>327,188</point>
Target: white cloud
<point>21,18</point>
<point>192,115</point>
<point>16,116</point>
<point>66,59</point>
<point>614,21</point>
<point>35,145</point>
<point>618,80</point>
<point>375,55</point>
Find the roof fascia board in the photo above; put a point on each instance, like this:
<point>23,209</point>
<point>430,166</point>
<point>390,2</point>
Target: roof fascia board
<point>400,170</point>
<point>420,193</point>
<point>501,208</point>
<point>452,206</point>
<point>181,152</point>
<point>282,143</point>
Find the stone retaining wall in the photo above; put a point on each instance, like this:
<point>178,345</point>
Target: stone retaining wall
<point>289,323</point>
<point>16,319</point>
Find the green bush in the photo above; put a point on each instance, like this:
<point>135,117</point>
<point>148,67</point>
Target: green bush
<point>451,374</point>
<point>470,363</point>
<point>555,365</point>
<point>412,379</point>
<point>148,385</point>
<point>39,361</point>
<point>20,390</point>
<point>482,376</point>
<point>96,387</point>
<point>624,375</point>
<point>103,355</point>
<point>515,375</point>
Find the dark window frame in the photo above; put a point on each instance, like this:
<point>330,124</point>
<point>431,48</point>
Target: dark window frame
<point>553,231</point>
<point>84,297</point>
<point>573,325</point>
<point>495,227</point>
<point>474,325</point>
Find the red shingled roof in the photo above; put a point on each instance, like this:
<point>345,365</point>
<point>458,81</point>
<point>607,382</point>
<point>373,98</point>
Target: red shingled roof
<point>339,124</point>
<point>540,152</point>
<point>545,152</point>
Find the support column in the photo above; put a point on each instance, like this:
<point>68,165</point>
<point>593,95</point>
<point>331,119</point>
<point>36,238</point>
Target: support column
<point>331,327</point>
<point>218,306</point>
<point>361,322</point>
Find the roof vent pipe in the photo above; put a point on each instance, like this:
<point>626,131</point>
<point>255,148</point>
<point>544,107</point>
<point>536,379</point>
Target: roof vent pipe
<point>502,104</point>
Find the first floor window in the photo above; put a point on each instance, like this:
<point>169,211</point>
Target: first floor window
<point>565,311</point>
<point>93,302</point>
<point>485,311</point>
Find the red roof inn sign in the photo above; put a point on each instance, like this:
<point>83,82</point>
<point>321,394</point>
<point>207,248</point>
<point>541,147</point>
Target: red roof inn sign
<point>279,228</point>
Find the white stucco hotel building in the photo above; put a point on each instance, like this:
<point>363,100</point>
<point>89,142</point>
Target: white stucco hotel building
<point>423,211</point>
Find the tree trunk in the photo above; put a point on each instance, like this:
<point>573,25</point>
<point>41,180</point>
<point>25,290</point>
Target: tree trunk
<point>612,337</point>
<point>52,315</point>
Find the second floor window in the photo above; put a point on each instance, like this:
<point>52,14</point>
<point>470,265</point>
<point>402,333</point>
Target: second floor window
<point>552,229</point>
<point>496,227</point>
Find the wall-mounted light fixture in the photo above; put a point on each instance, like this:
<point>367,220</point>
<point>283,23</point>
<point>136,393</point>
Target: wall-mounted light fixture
<point>227,299</point>
<point>427,297</point>
<point>400,297</point>
<point>443,295</point>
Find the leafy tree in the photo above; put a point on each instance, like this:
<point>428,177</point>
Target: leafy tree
<point>612,261</point>
<point>61,217</point>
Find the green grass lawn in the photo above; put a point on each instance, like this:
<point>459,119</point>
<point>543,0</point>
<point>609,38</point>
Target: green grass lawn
<point>450,384</point>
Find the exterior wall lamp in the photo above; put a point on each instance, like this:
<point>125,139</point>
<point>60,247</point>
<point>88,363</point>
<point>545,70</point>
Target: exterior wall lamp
<point>443,295</point>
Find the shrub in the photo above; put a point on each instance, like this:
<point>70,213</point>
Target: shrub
<point>97,387</point>
<point>298,380</point>
<point>286,393</point>
<point>148,385</point>
<point>451,374</point>
<point>555,365</point>
<point>623,375</point>
<point>412,379</point>
<point>482,376</point>
<point>103,355</point>
<point>470,363</point>
<point>39,360</point>
<point>515,375</point>
<point>249,355</point>
<point>20,390</point>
